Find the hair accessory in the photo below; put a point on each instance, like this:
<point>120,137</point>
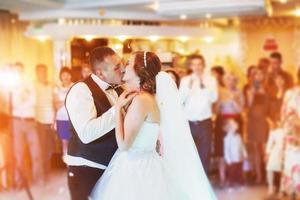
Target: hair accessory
<point>145,59</point>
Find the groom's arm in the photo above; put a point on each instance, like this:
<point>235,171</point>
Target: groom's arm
<point>83,115</point>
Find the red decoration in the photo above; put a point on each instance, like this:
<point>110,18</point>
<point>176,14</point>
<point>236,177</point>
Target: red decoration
<point>270,45</point>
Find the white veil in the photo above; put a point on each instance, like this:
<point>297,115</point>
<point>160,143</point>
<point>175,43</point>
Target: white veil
<point>180,155</point>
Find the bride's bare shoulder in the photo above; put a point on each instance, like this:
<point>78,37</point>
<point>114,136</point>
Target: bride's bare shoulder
<point>143,98</point>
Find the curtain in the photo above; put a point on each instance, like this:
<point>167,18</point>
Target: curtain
<point>16,47</point>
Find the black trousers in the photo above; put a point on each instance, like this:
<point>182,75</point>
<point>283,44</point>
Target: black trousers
<point>235,173</point>
<point>81,181</point>
<point>202,133</point>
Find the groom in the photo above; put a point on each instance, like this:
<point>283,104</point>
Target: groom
<point>90,107</point>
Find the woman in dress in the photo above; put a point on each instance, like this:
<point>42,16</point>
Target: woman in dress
<point>62,119</point>
<point>277,99</point>
<point>136,170</point>
<point>257,104</point>
<point>229,106</point>
<point>291,116</point>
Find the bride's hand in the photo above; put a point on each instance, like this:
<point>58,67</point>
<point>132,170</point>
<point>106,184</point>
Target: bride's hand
<point>125,98</point>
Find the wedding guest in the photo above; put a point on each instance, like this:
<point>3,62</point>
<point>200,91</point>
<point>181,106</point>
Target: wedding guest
<point>264,65</point>
<point>250,71</point>
<point>234,153</point>
<point>291,116</point>
<point>62,118</point>
<point>277,99</point>
<point>276,68</point>
<point>229,106</point>
<point>24,126</point>
<point>199,91</point>
<point>86,71</point>
<point>218,72</point>
<point>257,105</point>
<point>44,116</point>
<point>174,76</point>
<point>274,158</point>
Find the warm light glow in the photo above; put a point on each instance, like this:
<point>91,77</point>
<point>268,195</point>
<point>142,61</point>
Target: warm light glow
<point>9,79</point>
<point>270,11</point>
<point>183,16</point>
<point>61,21</point>
<point>208,15</point>
<point>283,1</point>
<point>153,38</point>
<point>89,37</point>
<point>183,38</point>
<point>181,51</point>
<point>208,39</point>
<point>155,5</point>
<point>42,38</point>
<point>118,46</point>
<point>122,38</point>
<point>297,12</point>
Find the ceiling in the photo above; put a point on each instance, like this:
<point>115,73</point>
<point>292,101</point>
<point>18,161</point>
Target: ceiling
<point>132,9</point>
<point>145,9</point>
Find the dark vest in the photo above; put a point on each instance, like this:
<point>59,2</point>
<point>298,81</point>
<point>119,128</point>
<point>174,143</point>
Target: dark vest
<point>102,149</point>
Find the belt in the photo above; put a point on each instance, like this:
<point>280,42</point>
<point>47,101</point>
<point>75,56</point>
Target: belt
<point>24,119</point>
<point>199,122</point>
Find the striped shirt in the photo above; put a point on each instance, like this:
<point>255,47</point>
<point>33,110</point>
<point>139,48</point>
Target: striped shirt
<point>44,103</point>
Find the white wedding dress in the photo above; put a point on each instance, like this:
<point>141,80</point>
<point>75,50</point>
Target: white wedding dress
<point>141,174</point>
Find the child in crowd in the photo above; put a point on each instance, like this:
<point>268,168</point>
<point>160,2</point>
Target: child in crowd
<point>234,153</point>
<point>274,159</point>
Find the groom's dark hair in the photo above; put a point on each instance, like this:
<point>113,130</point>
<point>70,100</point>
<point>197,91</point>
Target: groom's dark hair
<point>99,54</point>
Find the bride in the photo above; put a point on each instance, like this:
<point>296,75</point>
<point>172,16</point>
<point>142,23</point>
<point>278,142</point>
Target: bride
<point>137,172</point>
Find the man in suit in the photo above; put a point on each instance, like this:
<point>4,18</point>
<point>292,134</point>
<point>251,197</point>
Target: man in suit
<point>90,105</point>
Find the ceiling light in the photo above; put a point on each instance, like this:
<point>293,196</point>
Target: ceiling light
<point>155,5</point>
<point>61,21</point>
<point>208,39</point>
<point>208,16</point>
<point>153,38</point>
<point>118,46</point>
<point>183,38</point>
<point>42,38</point>
<point>183,17</point>
<point>297,12</point>
<point>89,37</point>
<point>122,38</point>
<point>283,1</point>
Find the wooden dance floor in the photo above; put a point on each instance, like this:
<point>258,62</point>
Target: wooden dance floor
<point>56,189</point>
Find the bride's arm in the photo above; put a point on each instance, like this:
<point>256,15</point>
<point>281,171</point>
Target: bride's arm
<point>129,125</point>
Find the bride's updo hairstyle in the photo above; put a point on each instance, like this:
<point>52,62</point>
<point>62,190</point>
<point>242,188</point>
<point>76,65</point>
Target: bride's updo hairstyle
<point>147,65</point>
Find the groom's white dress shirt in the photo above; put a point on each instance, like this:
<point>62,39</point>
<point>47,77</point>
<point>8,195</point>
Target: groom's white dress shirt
<point>83,115</point>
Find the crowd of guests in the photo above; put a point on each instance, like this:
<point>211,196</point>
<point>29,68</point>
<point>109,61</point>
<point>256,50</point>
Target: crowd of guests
<point>252,131</point>
<point>39,119</point>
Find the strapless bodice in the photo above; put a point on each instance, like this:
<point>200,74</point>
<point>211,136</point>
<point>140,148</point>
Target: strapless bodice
<point>146,139</point>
